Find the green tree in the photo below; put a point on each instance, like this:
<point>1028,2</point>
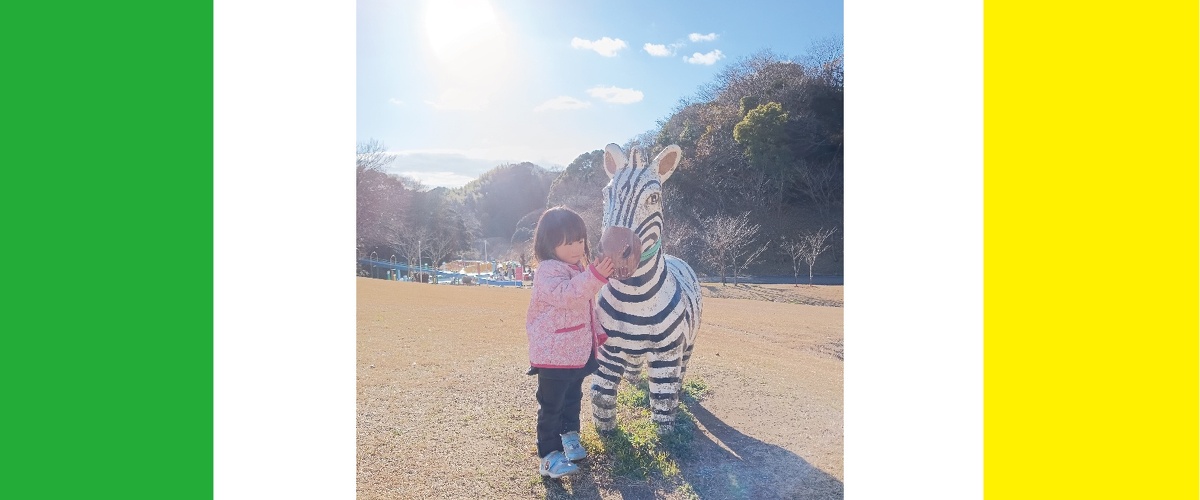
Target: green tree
<point>763,134</point>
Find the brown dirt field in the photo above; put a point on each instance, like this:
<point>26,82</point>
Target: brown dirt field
<point>446,411</point>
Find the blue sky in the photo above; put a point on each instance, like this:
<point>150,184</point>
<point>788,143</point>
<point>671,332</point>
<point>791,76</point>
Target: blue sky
<point>455,88</point>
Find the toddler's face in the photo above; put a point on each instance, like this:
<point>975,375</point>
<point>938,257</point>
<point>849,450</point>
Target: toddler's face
<point>571,253</point>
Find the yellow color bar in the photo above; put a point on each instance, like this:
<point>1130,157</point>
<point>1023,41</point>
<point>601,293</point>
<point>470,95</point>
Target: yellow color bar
<point>1090,250</point>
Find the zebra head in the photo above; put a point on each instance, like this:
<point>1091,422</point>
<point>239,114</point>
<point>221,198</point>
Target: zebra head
<point>633,201</point>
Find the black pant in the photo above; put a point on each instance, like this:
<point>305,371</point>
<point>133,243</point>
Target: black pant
<point>559,402</point>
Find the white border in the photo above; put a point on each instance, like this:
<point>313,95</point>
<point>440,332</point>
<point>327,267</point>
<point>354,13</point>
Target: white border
<point>914,249</point>
<point>284,381</point>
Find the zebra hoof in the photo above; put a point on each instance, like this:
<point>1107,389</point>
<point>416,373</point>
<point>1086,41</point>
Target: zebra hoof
<point>605,428</point>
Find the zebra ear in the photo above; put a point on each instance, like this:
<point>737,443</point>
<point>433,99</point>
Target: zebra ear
<point>667,160</point>
<point>614,159</point>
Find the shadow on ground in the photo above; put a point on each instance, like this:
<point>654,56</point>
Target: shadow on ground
<point>722,464</point>
<point>581,486</point>
<point>584,486</point>
<point>732,465</point>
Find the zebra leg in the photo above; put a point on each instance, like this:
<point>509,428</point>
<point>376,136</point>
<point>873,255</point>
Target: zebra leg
<point>665,377</point>
<point>633,370</point>
<point>687,354</point>
<point>604,390</point>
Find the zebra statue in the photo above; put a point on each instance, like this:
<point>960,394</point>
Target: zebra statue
<point>650,307</point>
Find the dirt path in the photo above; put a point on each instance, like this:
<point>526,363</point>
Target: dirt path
<point>445,410</point>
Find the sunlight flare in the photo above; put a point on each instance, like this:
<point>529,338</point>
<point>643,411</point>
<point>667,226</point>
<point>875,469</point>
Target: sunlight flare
<point>466,38</point>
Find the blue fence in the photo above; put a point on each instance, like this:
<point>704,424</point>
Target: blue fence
<point>379,269</point>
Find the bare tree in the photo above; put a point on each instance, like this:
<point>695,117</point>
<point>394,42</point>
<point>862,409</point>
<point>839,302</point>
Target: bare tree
<point>796,249</point>
<point>826,56</point>
<point>376,193</point>
<point>807,248</point>
<point>745,256</point>
<point>372,155</point>
<point>433,226</point>
<point>680,236</point>
<point>727,239</point>
<point>408,239</point>
<point>441,245</point>
<point>822,183</point>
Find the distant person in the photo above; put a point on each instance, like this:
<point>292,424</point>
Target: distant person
<point>564,335</point>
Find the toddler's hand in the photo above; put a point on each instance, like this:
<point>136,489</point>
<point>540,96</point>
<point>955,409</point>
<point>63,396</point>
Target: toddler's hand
<point>605,267</point>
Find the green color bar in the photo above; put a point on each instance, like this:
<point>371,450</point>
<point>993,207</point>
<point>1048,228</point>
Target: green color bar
<point>108,202</point>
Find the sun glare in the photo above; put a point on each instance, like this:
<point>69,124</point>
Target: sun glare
<point>465,36</point>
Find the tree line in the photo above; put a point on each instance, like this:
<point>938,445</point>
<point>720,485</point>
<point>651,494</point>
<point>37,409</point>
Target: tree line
<point>759,189</point>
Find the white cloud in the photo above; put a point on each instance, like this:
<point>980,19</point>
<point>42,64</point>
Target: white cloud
<point>459,100</point>
<point>455,167</point>
<point>395,101</point>
<point>706,59</point>
<point>606,46</point>
<point>658,50</point>
<point>562,103</point>
<point>439,179</point>
<point>440,167</point>
<point>616,95</point>
<point>696,37</point>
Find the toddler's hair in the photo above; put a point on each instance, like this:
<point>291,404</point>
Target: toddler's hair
<point>555,227</point>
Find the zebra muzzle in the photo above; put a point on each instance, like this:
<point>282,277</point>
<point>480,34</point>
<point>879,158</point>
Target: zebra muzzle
<point>624,247</point>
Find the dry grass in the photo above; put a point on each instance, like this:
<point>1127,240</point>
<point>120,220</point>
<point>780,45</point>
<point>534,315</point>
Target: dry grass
<point>445,410</point>
<point>813,295</point>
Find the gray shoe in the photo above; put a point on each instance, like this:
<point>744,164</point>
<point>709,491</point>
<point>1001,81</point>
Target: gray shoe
<point>556,465</point>
<point>571,447</point>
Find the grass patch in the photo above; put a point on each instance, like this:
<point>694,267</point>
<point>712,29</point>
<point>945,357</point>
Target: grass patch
<point>634,449</point>
<point>694,389</point>
<point>634,396</point>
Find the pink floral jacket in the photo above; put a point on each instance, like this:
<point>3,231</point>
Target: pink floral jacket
<point>562,323</point>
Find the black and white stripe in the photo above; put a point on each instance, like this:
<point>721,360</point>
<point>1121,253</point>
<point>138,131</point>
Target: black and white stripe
<point>651,317</point>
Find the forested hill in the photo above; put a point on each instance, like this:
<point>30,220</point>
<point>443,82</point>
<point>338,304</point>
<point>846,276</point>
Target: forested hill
<point>761,170</point>
<point>503,195</point>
